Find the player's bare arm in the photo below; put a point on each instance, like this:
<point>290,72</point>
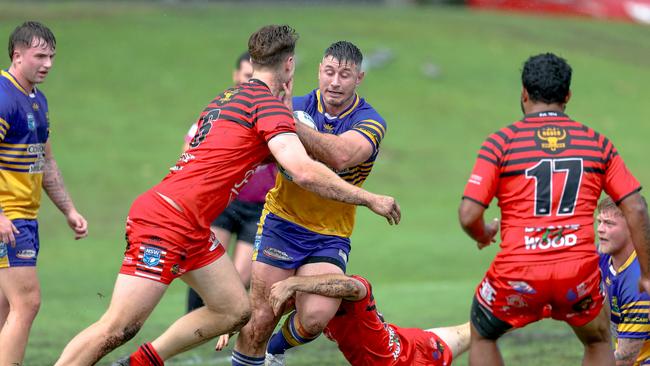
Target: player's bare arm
<point>330,285</point>
<point>55,189</point>
<point>337,151</point>
<point>636,214</point>
<point>627,351</point>
<point>471,219</point>
<point>316,177</point>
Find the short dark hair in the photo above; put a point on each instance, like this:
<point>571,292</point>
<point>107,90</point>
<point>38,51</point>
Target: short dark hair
<point>345,51</point>
<point>271,44</point>
<point>243,57</point>
<point>25,33</point>
<point>547,78</point>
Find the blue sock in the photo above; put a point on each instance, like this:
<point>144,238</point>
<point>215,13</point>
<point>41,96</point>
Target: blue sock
<point>239,359</point>
<point>291,335</point>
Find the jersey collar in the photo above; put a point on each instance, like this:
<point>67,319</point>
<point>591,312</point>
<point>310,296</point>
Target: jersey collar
<point>545,116</point>
<point>627,263</point>
<point>13,80</point>
<point>258,81</point>
<point>348,110</point>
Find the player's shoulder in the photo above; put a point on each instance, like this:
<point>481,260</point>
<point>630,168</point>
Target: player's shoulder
<point>365,110</point>
<point>307,102</point>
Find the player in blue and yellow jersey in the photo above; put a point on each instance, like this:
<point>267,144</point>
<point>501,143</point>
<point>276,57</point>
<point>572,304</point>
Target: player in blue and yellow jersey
<point>620,269</point>
<point>300,232</point>
<point>26,165</point>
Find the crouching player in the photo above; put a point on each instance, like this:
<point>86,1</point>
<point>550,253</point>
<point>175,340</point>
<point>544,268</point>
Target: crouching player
<point>360,331</point>
<point>620,268</point>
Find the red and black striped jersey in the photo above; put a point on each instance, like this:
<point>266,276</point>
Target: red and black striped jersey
<point>231,141</point>
<point>547,173</point>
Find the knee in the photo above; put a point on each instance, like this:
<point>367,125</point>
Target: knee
<point>241,315</point>
<point>261,325</point>
<point>314,322</point>
<point>27,306</point>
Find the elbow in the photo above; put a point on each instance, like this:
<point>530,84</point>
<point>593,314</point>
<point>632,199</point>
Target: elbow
<point>303,177</point>
<point>466,217</point>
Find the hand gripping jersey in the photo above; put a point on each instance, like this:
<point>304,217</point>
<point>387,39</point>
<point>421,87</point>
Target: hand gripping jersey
<point>24,129</point>
<point>365,339</point>
<point>547,172</point>
<point>231,141</point>
<point>630,308</point>
<point>307,209</point>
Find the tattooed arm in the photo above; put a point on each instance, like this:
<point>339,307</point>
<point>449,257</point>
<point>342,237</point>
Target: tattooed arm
<point>627,351</point>
<point>331,285</point>
<point>316,177</point>
<point>55,189</point>
<point>337,151</point>
<point>635,210</point>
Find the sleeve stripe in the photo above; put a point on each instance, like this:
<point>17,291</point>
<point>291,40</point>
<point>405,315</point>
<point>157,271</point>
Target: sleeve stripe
<point>475,201</point>
<point>488,159</point>
<point>378,124</point>
<point>636,303</point>
<point>4,123</point>
<point>618,203</point>
<point>371,137</point>
<point>372,126</point>
<point>634,328</point>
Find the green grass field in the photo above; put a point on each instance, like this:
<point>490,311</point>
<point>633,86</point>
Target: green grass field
<point>130,79</point>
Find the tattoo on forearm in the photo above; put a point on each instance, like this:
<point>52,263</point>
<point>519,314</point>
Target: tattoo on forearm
<point>627,351</point>
<point>335,288</point>
<point>54,187</point>
<point>320,147</point>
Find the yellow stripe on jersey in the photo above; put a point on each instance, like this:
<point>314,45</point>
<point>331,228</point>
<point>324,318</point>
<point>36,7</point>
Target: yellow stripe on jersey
<point>374,125</point>
<point>635,311</point>
<point>4,261</point>
<point>354,105</point>
<point>644,354</point>
<point>4,124</point>
<point>307,209</point>
<point>371,136</point>
<point>638,328</point>
<point>320,105</point>
<point>20,192</point>
<point>636,303</point>
<point>13,81</point>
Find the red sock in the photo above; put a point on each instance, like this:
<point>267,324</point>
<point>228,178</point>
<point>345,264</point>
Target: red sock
<point>146,355</point>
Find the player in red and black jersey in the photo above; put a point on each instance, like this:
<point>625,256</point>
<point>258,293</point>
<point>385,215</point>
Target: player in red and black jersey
<point>168,227</point>
<point>547,172</point>
<point>359,329</point>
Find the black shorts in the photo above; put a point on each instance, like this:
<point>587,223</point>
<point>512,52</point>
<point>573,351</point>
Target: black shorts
<point>241,218</point>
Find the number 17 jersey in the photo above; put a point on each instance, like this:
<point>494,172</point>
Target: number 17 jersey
<point>547,172</point>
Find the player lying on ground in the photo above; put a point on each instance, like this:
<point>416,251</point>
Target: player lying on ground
<point>360,331</point>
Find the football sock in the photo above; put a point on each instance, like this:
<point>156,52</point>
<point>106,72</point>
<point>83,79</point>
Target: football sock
<point>239,359</point>
<point>291,335</point>
<point>146,355</point>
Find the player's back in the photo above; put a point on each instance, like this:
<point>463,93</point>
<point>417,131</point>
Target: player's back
<point>231,141</point>
<point>547,172</point>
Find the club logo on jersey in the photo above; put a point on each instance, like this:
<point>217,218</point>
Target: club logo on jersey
<point>329,128</point>
<point>35,106</point>
<point>522,287</point>
<point>487,292</point>
<point>31,122</point>
<point>226,96</point>
<point>552,139</point>
<point>176,269</point>
<point>151,256</point>
<point>516,301</point>
<point>615,307</point>
<point>3,250</point>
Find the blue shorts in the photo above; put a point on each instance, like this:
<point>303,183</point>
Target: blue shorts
<point>27,245</point>
<point>281,243</point>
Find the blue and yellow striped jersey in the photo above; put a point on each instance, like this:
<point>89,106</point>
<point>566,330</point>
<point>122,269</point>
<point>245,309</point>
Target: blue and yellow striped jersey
<point>24,129</point>
<point>307,209</point>
<point>630,308</point>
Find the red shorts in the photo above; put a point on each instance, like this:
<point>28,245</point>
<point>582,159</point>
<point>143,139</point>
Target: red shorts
<point>569,291</point>
<point>161,245</point>
<point>428,349</point>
